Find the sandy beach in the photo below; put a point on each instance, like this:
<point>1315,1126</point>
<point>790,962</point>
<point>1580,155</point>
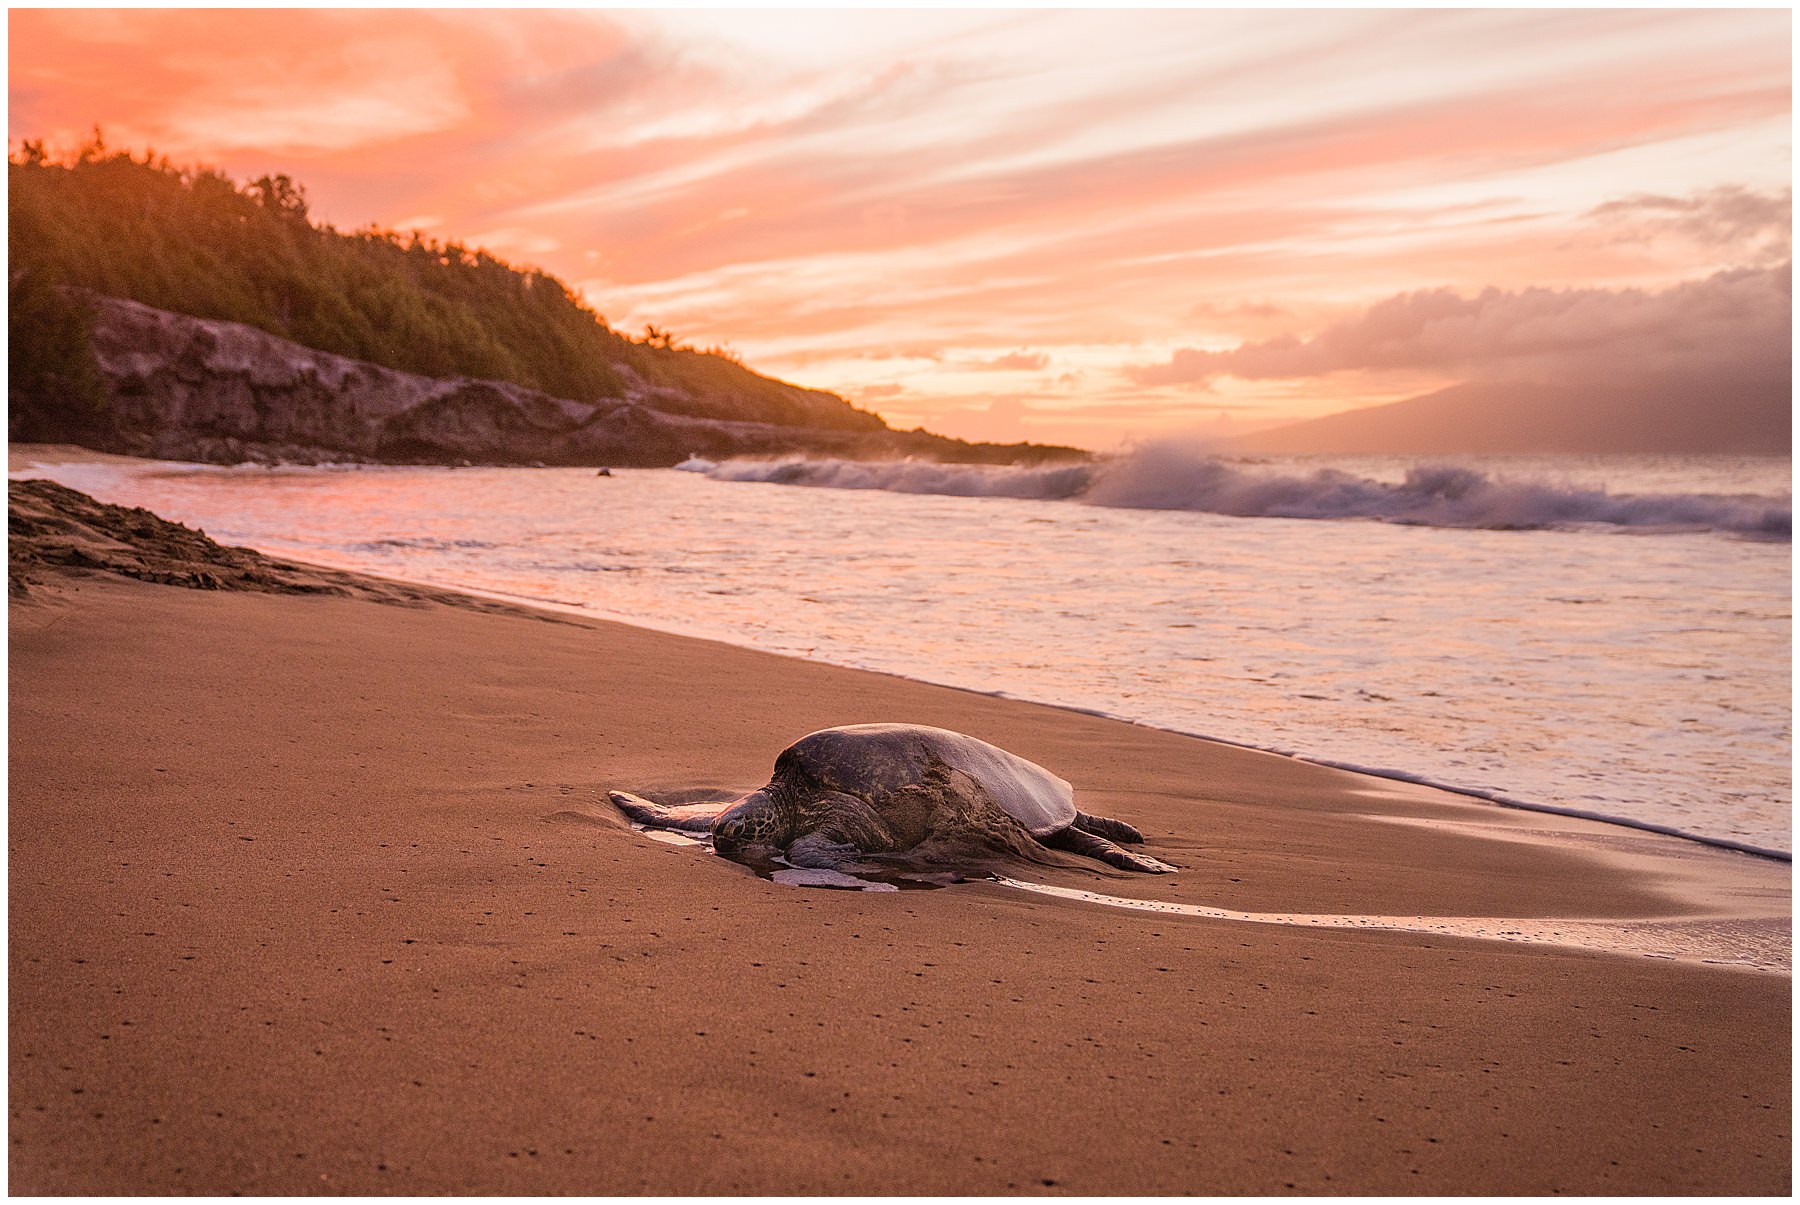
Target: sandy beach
<point>316,890</point>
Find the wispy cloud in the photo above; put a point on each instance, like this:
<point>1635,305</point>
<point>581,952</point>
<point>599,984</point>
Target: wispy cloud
<point>1757,227</point>
<point>1016,361</point>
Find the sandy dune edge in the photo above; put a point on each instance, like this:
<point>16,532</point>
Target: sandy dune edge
<point>315,895</point>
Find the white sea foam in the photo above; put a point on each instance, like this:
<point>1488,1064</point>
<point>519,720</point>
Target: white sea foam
<point>1169,475</point>
<point>1760,943</point>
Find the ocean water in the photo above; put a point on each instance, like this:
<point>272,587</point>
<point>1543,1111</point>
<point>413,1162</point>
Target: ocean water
<point>1607,635</point>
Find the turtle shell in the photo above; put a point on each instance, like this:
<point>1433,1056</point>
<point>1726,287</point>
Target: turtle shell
<point>873,760</point>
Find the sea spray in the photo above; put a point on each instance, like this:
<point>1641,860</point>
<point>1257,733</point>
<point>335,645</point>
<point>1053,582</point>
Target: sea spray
<point>1167,476</point>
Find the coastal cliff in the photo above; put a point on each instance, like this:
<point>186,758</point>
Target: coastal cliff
<point>175,387</point>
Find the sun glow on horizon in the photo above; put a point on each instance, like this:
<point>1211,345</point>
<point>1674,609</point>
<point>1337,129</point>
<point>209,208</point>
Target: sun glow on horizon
<point>1058,225</point>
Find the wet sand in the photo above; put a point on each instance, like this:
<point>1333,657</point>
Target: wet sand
<point>318,892</point>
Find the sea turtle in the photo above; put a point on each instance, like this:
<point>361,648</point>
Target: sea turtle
<point>899,794</point>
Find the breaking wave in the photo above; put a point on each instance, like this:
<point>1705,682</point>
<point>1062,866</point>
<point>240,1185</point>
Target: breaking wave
<point>1173,477</point>
<point>916,477</point>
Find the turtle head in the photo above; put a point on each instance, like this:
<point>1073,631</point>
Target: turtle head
<point>761,818</point>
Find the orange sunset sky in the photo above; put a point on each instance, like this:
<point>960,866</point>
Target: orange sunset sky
<point>1075,226</point>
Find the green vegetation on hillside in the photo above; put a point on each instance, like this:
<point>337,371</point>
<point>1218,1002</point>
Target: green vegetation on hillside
<point>191,241</point>
<point>49,355</point>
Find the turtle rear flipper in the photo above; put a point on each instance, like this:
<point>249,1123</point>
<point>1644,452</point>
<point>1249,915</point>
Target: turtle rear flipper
<point>689,818</point>
<point>1091,845</point>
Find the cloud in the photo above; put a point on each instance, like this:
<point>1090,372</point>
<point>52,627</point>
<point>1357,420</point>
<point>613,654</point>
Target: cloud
<point>513,241</point>
<point>295,84</point>
<point>877,392</point>
<point>1239,309</point>
<point>361,95</point>
<point>1759,224</point>
<point>1733,325</point>
<point>1018,361</point>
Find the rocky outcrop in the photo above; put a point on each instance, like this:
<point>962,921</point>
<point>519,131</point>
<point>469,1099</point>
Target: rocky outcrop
<point>56,535</point>
<point>183,388</point>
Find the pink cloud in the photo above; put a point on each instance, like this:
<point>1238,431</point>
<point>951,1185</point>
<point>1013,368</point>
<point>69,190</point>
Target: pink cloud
<point>1239,309</point>
<point>785,203</point>
<point>1732,325</point>
<point>1757,226</point>
<point>1018,361</point>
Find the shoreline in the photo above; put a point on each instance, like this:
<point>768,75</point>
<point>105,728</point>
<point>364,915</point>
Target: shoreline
<point>23,457</point>
<point>320,893</point>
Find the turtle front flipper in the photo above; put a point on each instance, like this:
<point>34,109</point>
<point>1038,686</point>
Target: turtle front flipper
<point>1091,845</point>
<point>821,851</point>
<point>837,829</point>
<point>689,818</point>
<point>1112,830</point>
